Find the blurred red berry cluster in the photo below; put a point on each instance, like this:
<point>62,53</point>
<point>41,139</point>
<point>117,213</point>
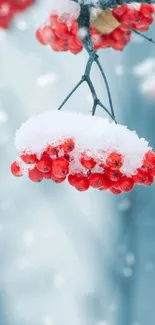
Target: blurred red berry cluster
<point>62,35</point>
<point>56,164</point>
<point>10,8</point>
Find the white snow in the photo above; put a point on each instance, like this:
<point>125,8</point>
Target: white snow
<point>94,135</point>
<point>144,68</point>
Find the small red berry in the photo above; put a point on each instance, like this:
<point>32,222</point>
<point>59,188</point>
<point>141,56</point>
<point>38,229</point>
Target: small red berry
<point>57,180</point>
<point>150,180</point>
<point>48,34</point>
<point>28,158</point>
<point>40,36</point>
<point>96,180</point>
<point>106,184</point>
<point>60,167</point>
<point>114,161</point>
<point>113,175</point>
<point>149,160</point>
<point>152,171</point>
<point>72,179</point>
<point>119,11</point>
<point>115,191</point>
<point>47,175</point>
<point>141,177</point>
<point>87,162</point>
<point>74,27</point>
<point>146,9</point>
<point>44,164</point>
<point>117,34</point>
<point>68,145</point>
<point>51,150</point>
<point>126,184</point>
<point>61,31</point>
<point>35,175</point>
<point>81,183</point>
<point>53,19</point>
<point>16,170</point>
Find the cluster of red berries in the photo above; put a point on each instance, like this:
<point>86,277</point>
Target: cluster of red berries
<point>51,165</point>
<point>63,36</point>
<point>60,35</point>
<point>10,8</point>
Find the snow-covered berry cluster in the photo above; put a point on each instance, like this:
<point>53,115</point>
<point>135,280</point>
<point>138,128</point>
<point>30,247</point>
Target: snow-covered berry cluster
<point>103,155</point>
<point>10,8</point>
<point>62,34</point>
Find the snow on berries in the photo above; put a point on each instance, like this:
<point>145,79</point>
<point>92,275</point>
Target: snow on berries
<point>109,29</point>
<point>84,151</point>
<point>10,8</point>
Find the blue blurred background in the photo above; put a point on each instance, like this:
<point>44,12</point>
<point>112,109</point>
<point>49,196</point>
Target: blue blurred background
<point>68,257</point>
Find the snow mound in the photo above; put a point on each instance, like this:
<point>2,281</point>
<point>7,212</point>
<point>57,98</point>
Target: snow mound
<point>94,135</point>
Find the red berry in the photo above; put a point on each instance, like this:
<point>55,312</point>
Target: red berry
<point>68,145</point>
<point>53,19</point>
<point>47,175</point>
<point>28,158</point>
<point>61,30</point>
<point>57,179</point>
<point>141,177</point>
<point>129,16</point>
<point>82,183</point>
<point>40,36</point>
<point>118,46</point>
<point>106,41</point>
<point>60,167</point>
<point>119,11</point>
<point>146,9</point>
<point>6,14</point>
<point>35,175</point>
<point>149,160</point>
<point>16,170</point>
<point>113,175</point>
<point>150,180</point>
<point>21,5</point>
<point>74,44</point>
<point>59,44</point>
<point>124,27</point>
<point>152,171</point>
<point>106,184</point>
<point>114,161</point>
<point>51,150</point>
<point>117,34</point>
<point>71,179</point>
<point>87,162</point>
<point>48,34</point>
<point>44,164</point>
<point>74,27</point>
<point>115,191</point>
<point>96,180</point>
<point>126,184</point>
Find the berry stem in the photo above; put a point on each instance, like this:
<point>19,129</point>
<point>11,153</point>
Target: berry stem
<point>71,93</point>
<point>144,36</point>
<point>107,87</point>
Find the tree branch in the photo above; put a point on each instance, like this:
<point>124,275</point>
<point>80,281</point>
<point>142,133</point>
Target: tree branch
<point>107,4</point>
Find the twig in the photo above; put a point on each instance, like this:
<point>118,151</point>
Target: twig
<point>107,87</point>
<point>71,93</point>
<point>144,36</point>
